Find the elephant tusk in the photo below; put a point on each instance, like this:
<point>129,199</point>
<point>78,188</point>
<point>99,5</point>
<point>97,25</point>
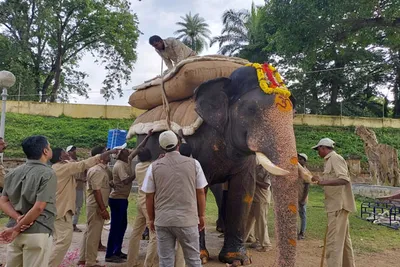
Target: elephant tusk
<point>305,174</point>
<point>269,166</point>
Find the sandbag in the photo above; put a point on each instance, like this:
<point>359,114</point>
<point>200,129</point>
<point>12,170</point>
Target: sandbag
<point>183,83</point>
<point>182,116</point>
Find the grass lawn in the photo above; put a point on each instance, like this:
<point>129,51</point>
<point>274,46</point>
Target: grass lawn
<point>87,133</point>
<point>366,236</point>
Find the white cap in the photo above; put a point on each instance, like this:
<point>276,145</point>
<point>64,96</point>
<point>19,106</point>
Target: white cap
<point>121,146</point>
<point>69,148</point>
<point>325,142</point>
<point>303,156</point>
<point>168,140</point>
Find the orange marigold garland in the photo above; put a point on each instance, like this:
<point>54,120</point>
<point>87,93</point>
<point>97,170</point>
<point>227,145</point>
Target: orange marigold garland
<point>269,79</point>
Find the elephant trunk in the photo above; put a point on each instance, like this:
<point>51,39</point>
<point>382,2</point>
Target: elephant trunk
<point>284,188</point>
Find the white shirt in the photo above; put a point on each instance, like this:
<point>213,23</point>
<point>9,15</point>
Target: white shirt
<point>149,186</point>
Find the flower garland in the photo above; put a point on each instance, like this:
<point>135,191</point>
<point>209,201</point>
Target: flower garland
<point>269,79</point>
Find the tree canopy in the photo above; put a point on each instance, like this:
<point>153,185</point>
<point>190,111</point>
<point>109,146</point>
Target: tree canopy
<point>338,57</point>
<point>46,40</point>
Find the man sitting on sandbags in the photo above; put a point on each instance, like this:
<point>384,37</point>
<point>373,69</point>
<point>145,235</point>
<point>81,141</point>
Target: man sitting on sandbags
<point>171,50</point>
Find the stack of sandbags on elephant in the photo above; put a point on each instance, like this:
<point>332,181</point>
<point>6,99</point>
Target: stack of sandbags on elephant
<point>181,81</point>
<point>179,84</point>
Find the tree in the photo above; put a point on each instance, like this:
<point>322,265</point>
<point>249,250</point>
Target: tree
<point>56,34</point>
<point>14,60</point>
<point>242,31</point>
<point>194,32</point>
<point>336,52</point>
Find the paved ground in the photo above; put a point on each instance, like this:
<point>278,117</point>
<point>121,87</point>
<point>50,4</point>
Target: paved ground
<point>309,252</point>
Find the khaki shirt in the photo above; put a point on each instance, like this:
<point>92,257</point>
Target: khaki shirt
<point>120,172</point>
<point>30,183</point>
<point>174,51</point>
<point>98,178</point>
<point>2,175</point>
<point>337,197</point>
<point>80,179</point>
<point>140,173</point>
<point>302,184</point>
<point>66,172</point>
<point>262,195</point>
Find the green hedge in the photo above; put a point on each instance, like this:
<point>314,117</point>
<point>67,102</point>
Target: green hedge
<point>87,133</point>
<point>61,131</point>
<point>347,142</point>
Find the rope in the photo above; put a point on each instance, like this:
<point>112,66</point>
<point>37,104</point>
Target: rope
<point>324,248</point>
<point>164,97</point>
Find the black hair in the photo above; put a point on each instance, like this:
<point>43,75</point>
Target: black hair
<point>33,146</point>
<point>300,156</point>
<point>144,154</point>
<point>56,155</point>
<point>154,39</point>
<point>97,150</point>
<point>185,150</point>
<point>171,149</point>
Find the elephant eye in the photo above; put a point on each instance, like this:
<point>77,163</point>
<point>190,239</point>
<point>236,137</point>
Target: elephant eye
<point>252,109</point>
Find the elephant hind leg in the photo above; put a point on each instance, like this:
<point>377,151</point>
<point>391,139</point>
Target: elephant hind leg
<point>204,255</point>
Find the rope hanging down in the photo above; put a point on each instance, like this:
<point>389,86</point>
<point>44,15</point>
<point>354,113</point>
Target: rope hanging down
<point>164,98</point>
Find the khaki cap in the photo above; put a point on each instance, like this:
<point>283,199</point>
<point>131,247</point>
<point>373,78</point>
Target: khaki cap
<point>325,142</point>
<point>168,140</point>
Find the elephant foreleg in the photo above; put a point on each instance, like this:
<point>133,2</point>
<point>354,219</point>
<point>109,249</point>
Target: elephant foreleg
<point>240,197</point>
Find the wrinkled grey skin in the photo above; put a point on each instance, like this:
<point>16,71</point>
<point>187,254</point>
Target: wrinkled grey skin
<point>236,124</point>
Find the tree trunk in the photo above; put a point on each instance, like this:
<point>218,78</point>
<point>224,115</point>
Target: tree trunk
<point>57,79</point>
<point>396,88</point>
<point>336,83</point>
<point>46,84</point>
<point>314,105</point>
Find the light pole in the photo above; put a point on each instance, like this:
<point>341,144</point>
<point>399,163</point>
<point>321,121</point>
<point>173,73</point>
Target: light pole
<point>7,79</point>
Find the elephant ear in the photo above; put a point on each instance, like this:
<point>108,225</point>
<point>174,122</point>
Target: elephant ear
<point>212,102</point>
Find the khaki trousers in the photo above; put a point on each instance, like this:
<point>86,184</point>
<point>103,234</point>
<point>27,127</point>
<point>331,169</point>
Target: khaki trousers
<point>31,250</point>
<point>339,250</point>
<point>62,238</point>
<point>142,219</point>
<point>258,220</point>
<point>91,236</point>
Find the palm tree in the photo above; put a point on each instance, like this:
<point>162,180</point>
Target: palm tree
<point>241,28</point>
<point>194,32</point>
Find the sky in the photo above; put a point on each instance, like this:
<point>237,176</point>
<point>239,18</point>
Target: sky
<point>156,17</point>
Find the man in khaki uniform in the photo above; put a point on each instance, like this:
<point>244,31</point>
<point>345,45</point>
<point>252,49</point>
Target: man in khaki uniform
<point>3,146</point>
<point>80,179</point>
<point>29,199</point>
<point>98,178</point>
<point>339,202</point>
<point>258,216</point>
<point>171,50</point>
<point>66,171</point>
<point>118,201</point>
<point>175,212</point>
<point>303,197</point>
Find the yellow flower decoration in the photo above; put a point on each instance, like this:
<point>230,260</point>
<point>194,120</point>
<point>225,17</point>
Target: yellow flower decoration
<point>269,79</point>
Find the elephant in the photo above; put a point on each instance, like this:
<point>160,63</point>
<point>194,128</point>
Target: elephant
<point>241,125</point>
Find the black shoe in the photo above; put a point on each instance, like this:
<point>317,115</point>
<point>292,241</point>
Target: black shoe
<point>123,256</point>
<point>115,259</point>
<point>300,236</point>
